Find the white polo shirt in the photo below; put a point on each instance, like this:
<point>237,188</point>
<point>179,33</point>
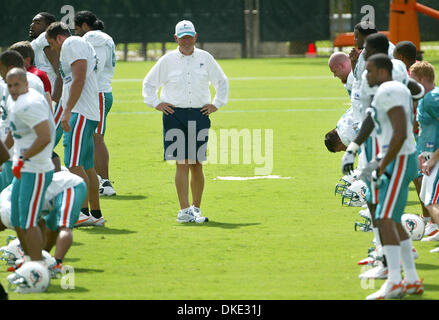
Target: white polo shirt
<point>75,48</point>
<point>185,81</point>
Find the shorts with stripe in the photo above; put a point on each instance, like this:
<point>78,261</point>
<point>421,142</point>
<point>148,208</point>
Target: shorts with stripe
<point>430,187</point>
<point>58,113</point>
<point>78,142</point>
<point>371,149</point>
<point>6,175</point>
<point>105,103</point>
<point>27,197</point>
<point>66,208</point>
<point>394,187</point>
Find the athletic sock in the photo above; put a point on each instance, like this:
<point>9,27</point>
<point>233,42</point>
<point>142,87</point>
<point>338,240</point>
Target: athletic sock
<point>376,232</point>
<point>85,211</point>
<point>408,263</point>
<point>96,213</point>
<point>393,257</point>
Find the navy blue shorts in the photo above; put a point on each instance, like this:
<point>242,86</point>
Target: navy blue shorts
<point>185,135</point>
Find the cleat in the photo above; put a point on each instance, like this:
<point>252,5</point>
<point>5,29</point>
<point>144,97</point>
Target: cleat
<point>434,237</point>
<point>197,215</point>
<point>434,250</point>
<point>83,220</point>
<point>430,229</point>
<point>185,216</point>
<point>388,290</point>
<point>96,222</point>
<point>56,270</point>
<point>378,272</point>
<point>413,287</point>
<point>106,189</point>
<point>366,261</point>
<point>18,263</point>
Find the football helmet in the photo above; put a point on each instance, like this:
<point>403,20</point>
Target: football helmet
<point>345,182</point>
<point>414,225</point>
<point>366,225</point>
<point>5,207</point>
<point>30,277</point>
<point>12,252</point>
<point>355,194</point>
<point>49,261</point>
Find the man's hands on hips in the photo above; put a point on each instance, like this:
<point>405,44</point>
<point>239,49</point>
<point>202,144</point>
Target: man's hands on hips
<point>166,108</point>
<point>208,109</point>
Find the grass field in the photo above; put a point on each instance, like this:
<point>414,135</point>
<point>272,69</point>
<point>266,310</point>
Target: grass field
<point>266,239</point>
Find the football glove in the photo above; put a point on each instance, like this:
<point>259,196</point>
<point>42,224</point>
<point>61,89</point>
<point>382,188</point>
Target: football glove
<point>347,162</point>
<point>16,170</point>
<point>366,173</point>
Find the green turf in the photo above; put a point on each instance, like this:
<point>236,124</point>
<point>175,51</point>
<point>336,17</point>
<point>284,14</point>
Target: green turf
<point>266,239</point>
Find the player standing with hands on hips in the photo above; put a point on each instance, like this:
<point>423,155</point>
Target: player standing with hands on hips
<point>184,75</point>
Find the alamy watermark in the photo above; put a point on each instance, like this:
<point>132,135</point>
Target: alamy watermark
<point>224,146</point>
<point>368,20</point>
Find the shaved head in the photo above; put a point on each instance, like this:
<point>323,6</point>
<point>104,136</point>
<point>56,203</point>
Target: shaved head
<point>340,65</point>
<point>338,57</point>
<point>17,72</point>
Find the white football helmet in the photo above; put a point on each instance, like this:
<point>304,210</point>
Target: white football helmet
<point>5,207</point>
<point>12,252</point>
<point>414,225</point>
<point>345,182</point>
<point>355,194</point>
<point>50,262</point>
<point>30,277</point>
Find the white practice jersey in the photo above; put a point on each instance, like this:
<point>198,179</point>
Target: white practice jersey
<point>40,60</point>
<point>399,73</point>
<point>105,51</point>
<point>25,113</point>
<point>5,207</point>
<point>75,48</point>
<point>61,181</point>
<point>35,83</point>
<point>345,128</point>
<point>392,94</point>
<point>349,83</point>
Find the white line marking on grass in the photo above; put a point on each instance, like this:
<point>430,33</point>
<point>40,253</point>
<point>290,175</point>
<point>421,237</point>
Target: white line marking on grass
<point>251,178</point>
<point>233,111</point>
<point>262,99</point>
<point>248,78</point>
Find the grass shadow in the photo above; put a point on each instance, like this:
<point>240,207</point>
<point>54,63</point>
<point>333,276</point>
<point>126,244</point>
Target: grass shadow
<point>426,266</point>
<point>223,225</point>
<point>431,287</point>
<point>412,203</point>
<point>55,289</point>
<point>126,197</point>
<point>106,230</point>
<point>87,270</point>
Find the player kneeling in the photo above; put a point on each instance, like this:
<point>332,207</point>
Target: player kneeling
<point>61,209</point>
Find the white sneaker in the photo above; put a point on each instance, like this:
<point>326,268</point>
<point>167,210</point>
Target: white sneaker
<point>197,214</point>
<point>434,250</point>
<point>431,229</point>
<point>106,189</point>
<point>434,237</point>
<point>413,287</point>
<point>388,290</point>
<point>96,222</point>
<point>83,220</point>
<point>186,215</point>
<point>378,272</point>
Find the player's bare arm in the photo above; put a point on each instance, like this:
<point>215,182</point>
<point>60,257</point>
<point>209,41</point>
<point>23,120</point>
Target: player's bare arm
<point>53,57</point>
<point>42,130</point>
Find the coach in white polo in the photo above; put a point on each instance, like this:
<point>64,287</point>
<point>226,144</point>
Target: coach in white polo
<point>185,75</point>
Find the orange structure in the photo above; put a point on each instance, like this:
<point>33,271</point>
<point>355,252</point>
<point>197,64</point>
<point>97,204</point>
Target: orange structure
<point>403,24</point>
